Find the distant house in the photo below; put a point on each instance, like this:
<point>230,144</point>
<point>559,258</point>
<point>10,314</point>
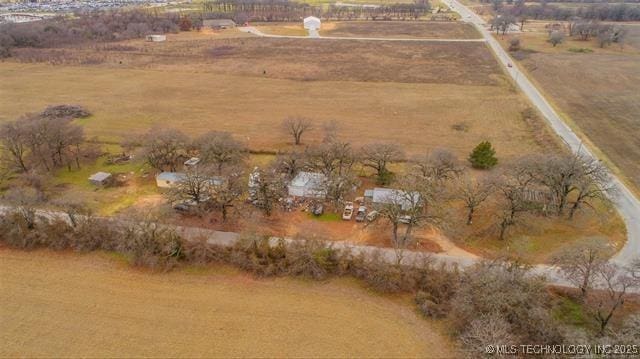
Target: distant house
<point>393,196</point>
<point>311,23</point>
<point>100,178</point>
<point>218,24</point>
<point>169,179</point>
<point>308,184</point>
<point>156,38</point>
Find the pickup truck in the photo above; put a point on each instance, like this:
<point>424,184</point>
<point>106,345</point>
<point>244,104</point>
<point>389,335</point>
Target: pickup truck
<point>361,214</point>
<point>348,211</point>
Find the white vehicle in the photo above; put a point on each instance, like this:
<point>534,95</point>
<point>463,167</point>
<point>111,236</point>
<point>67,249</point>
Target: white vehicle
<point>372,216</point>
<point>362,214</point>
<point>348,211</point>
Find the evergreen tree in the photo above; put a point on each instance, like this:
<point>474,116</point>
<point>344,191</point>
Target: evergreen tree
<point>483,156</point>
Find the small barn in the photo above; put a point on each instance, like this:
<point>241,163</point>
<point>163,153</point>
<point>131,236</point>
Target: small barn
<point>308,185</point>
<point>169,179</point>
<point>311,23</point>
<point>219,24</point>
<point>156,38</point>
<point>100,178</point>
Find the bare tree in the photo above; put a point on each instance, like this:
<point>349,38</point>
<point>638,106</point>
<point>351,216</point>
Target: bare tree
<point>164,147</point>
<point>226,193</point>
<point>512,188</point>
<point>290,163</point>
<point>331,158</point>
<point>296,127</point>
<point>581,263</point>
<point>14,143</point>
<point>438,165</point>
<point>378,156</point>
<point>473,193</point>
<point>406,206</point>
<point>269,189</point>
<point>603,304</point>
<point>593,183</point>
<point>25,200</point>
<point>486,330</point>
<point>193,186</point>
<point>220,149</point>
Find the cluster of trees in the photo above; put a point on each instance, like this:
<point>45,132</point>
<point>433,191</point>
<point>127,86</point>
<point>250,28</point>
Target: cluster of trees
<point>260,10</point>
<point>93,27</point>
<point>284,10</point>
<point>43,141</point>
<point>602,12</point>
<point>490,302</point>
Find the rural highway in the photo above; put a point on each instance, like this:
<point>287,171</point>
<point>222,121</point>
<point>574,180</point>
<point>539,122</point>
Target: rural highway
<point>625,201</point>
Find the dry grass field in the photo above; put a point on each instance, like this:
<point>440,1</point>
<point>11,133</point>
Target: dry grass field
<point>71,305</point>
<point>598,92</point>
<point>401,29</point>
<point>410,93</point>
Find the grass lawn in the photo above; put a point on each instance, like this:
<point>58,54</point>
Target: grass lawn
<point>401,29</point>
<point>73,305</point>
<point>326,217</point>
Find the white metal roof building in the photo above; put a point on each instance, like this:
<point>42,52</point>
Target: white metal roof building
<point>100,178</point>
<point>308,184</point>
<point>391,196</point>
<point>311,23</point>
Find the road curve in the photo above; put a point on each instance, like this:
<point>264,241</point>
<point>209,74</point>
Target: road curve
<point>625,201</point>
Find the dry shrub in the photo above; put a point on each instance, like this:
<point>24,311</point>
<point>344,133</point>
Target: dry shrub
<point>311,259</point>
<point>257,255</point>
<point>198,251</point>
<point>151,245</point>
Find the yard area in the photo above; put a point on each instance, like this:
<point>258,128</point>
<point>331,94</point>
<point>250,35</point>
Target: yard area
<point>597,91</point>
<point>73,305</point>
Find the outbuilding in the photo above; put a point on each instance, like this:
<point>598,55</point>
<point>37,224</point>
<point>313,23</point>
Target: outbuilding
<point>100,178</point>
<point>156,38</point>
<point>308,185</point>
<point>311,23</point>
<point>406,200</point>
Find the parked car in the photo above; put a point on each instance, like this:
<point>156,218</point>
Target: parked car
<point>372,216</point>
<point>404,219</point>
<point>348,211</point>
<point>317,209</point>
<point>362,214</point>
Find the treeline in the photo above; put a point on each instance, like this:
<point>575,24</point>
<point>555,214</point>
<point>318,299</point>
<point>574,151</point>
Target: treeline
<point>498,301</point>
<point>93,27</point>
<point>544,11</point>
<point>284,10</point>
<point>602,12</point>
<point>44,141</point>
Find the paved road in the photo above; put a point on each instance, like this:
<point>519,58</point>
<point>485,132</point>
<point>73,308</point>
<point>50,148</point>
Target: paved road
<point>625,201</point>
<point>254,31</point>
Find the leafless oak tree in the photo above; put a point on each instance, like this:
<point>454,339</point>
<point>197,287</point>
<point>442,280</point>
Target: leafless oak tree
<point>581,263</point>
<point>378,156</point>
<point>473,192</point>
<point>296,127</point>
<point>220,149</point>
<point>164,148</point>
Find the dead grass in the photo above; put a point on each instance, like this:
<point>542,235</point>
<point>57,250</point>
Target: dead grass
<point>63,304</point>
<point>598,92</point>
<point>401,29</point>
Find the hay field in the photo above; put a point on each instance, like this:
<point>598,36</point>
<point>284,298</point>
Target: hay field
<point>401,29</point>
<point>410,93</point>
<point>598,92</point>
<point>71,305</point>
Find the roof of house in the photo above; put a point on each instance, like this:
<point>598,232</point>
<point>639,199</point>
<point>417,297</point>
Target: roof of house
<point>99,176</point>
<point>308,180</point>
<point>218,22</point>
<point>192,161</point>
<point>390,195</point>
<point>311,18</point>
<point>171,176</point>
